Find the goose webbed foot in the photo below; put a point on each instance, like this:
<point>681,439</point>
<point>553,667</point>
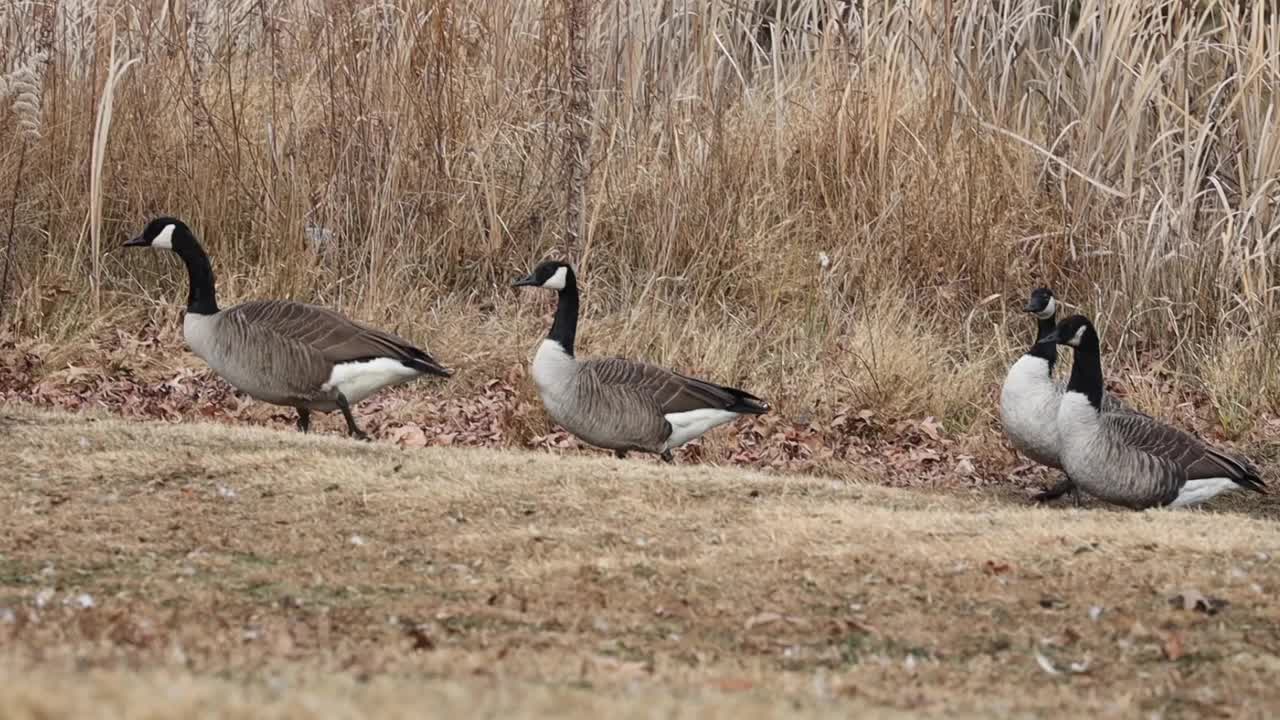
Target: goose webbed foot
<point>666,456</point>
<point>1062,487</point>
<point>352,429</point>
<point>620,454</point>
<point>304,420</point>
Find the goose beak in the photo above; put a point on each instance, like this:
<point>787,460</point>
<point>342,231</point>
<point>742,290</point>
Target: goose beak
<point>1033,306</point>
<point>136,242</point>
<point>526,281</point>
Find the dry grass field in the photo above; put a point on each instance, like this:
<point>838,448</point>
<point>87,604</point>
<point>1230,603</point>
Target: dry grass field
<point>168,570</point>
<point>839,205</point>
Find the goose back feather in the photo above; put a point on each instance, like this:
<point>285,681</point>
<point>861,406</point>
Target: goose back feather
<point>292,353</point>
<point>626,405</point>
<point>621,404</point>
<point>1138,462</point>
<point>285,352</point>
<point>1132,459</point>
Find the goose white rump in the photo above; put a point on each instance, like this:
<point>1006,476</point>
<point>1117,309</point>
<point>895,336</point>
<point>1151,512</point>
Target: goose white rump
<point>1198,491</point>
<point>686,426</point>
<point>355,380</point>
<point>358,380</point>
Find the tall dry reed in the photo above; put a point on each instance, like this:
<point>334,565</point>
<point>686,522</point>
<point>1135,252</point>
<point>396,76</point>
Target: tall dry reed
<point>403,159</point>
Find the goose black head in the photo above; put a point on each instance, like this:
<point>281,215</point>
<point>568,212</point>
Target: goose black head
<point>165,233</point>
<point>1075,331</point>
<point>551,274</point>
<point>1042,303</point>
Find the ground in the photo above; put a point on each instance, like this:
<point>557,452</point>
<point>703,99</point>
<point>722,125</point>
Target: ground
<point>249,572</point>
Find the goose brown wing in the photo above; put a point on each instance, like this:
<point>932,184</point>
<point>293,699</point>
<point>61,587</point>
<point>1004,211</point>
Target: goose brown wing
<point>1190,455</point>
<point>334,337</point>
<point>671,391</point>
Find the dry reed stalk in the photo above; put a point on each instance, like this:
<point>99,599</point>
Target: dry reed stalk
<point>9,240</point>
<point>26,86</point>
<point>102,126</point>
<point>577,126</point>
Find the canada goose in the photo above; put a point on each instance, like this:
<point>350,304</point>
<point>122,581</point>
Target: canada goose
<point>284,352</point>
<point>1030,396</point>
<point>1131,459</point>
<point>616,403</point>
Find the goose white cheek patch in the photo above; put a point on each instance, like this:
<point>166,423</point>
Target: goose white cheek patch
<point>1049,310</point>
<point>165,239</point>
<point>1075,340</point>
<point>557,281</point>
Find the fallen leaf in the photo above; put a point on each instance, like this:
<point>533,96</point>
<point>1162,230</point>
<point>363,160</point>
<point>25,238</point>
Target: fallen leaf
<point>621,667</point>
<point>732,684</point>
<point>1192,599</point>
<point>931,427</point>
<point>409,436</point>
<point>1046,664</point>
<point>419,634</point>
<point>1172,647</point>
<point>1079,668</point>
<point>763,618</point>
<point>993,568</point>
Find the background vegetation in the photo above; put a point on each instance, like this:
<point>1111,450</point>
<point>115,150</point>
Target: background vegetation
<point>838,204</point>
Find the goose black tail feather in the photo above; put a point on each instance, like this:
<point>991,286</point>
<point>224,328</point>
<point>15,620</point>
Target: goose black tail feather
<point>746,403</point>
<point>1242,472</point>
<point>419,360</point>
<point>1252,482</point>
<point>426,364</point>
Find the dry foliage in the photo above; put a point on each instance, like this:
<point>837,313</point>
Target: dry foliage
<point>151,569</point>
<point>403,160</point>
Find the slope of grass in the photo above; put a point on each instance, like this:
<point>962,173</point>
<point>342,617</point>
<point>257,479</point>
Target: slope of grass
<point>150,568</point>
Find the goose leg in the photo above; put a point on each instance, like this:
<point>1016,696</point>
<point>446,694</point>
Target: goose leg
<point>352,429</point>
<point>1075,494</point>
<point>620,454</point>
<point>304,420</point>
<point>1063,486</point>
<point>666,456</point>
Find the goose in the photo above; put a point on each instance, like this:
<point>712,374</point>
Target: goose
<point>1131,459</point>
<point>619,404</point>
<point>284,352</point>
<point>1030,396</point>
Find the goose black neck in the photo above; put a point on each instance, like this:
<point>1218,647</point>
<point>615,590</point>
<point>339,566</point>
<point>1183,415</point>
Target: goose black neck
<point>1045,351</point>
<point>201,297</point>
<point>1086,369</point>
<point>565,327</point>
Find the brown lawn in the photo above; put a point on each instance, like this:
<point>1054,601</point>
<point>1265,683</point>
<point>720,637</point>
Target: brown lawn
<point>166,570</point>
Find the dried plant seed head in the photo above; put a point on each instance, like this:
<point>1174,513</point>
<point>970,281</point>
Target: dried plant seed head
<point>24,85</point>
